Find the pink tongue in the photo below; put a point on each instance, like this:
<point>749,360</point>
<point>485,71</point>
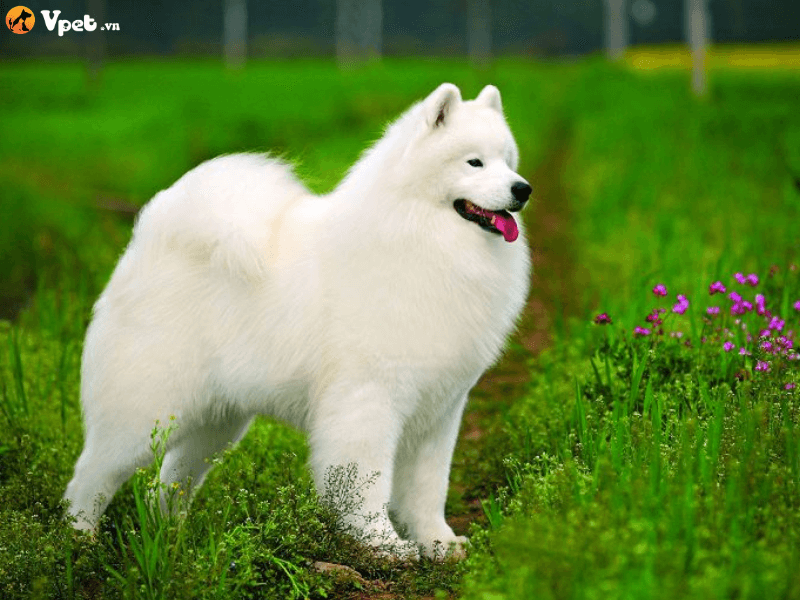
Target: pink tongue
<point>507,226</point>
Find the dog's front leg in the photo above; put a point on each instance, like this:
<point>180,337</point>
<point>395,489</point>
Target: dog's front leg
<point>353,437</point>
<point>421,480</point>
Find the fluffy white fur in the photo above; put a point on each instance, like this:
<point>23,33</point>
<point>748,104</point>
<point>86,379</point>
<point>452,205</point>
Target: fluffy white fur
<point>363,317</point>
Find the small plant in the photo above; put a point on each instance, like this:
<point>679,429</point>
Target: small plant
<point>13,396</point>
<point>343,496</point>
<point>153,535</point>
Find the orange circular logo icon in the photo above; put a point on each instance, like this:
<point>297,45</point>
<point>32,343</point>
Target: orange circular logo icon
<point>20,19</point>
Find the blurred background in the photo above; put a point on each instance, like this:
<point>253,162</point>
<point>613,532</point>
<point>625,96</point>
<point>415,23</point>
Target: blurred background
<point>272,28</point>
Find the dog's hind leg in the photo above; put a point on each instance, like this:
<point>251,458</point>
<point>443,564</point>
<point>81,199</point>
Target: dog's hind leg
<point>104,465</point>
<point>188,458</point>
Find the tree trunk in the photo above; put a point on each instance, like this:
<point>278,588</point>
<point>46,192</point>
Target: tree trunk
<point>616,28</point>
<point>234,37</point>
<point>359,30</point>
<point>479,32</point>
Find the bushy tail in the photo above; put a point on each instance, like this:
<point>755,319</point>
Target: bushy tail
<point>226,212</point>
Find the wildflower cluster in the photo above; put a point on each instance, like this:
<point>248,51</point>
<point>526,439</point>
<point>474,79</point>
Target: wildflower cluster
<point>655,318</point>
<point>741,321</point>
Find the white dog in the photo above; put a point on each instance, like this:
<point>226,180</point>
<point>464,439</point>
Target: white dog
<point>363,317</point>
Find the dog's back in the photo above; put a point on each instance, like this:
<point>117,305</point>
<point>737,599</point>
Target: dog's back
<point>226,211</point>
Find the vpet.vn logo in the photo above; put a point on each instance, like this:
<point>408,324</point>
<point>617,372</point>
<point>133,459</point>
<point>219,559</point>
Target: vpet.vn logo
<point>87,23</point>
<point>20,19</point>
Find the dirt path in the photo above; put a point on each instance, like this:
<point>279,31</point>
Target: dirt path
<point>551,297</point>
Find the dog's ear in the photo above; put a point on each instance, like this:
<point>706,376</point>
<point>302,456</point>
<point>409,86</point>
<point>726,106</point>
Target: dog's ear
<point>440,104</point>
<point>490,96</point>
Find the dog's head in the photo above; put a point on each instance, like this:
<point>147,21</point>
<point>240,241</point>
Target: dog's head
<point>470,145</point>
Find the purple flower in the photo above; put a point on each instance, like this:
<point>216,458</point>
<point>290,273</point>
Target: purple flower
<point>744,351</point>
<point>789,386</point>
<point>713,310</point>
<point>653,317</point>
<point>735,297</point>
<point>764,333</point>
<point>739,277</point>
<point>797,305</point>
<point>762,366</point>
<point>776,323</point>
<point>728,346</point>
<point>602,319</point>
<point>760,306</point>
<point>681,306</point>
<point>766,346</point>
<point>641,331</point>
<point>738,309</point>
<point>752,279</point>
<point>716,288</point>
<point>660,290</point>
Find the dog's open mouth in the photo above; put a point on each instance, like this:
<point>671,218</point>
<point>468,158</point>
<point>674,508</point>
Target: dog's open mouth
<point>500,222</point>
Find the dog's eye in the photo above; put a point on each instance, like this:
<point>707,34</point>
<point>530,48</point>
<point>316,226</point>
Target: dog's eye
<point>475,162</point>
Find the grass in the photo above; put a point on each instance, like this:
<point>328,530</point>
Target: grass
<point>610,465</point>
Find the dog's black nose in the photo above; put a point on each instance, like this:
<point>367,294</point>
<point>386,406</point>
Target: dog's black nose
<point>521,192</point>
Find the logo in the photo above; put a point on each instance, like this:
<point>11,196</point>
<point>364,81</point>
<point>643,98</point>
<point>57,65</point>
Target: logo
<point>20,19</point>
<point>87,23</point>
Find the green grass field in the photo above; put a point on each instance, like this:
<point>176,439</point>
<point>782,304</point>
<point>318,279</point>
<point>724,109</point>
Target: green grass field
<point>595,462</point>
